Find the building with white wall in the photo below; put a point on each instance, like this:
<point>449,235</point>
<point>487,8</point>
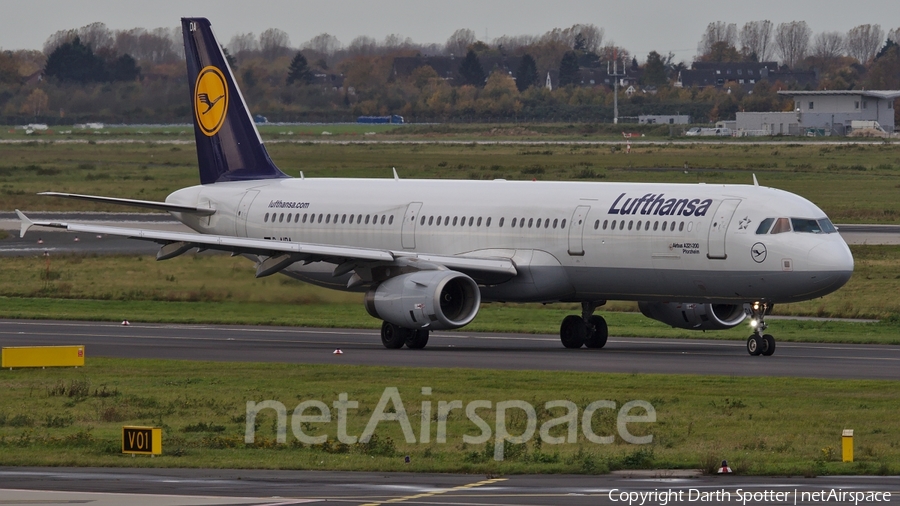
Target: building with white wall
<point>830,111</point>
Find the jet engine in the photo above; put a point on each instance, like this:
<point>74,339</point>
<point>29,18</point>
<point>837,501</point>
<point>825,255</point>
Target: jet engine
<point>695,316</point>
<point>433,300</point>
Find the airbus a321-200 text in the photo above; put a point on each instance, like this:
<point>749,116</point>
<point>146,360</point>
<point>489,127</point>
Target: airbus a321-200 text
<point>427,253</point>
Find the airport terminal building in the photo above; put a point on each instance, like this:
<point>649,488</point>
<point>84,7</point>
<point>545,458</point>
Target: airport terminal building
<point>823,113</point>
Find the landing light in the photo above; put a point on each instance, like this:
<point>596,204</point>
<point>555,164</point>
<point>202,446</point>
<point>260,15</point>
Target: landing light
<point>754,323</point>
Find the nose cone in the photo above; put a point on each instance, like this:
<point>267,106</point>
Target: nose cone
<point>832,263</point>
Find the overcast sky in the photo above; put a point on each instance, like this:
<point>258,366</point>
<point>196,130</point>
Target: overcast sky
<point>639,26</point>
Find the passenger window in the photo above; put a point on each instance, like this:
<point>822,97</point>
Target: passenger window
<point>367,219</point>
<point>596,224</point>
<point>647,225</point>
<point>304,217</point>
<point>391,220</point>
<point>422,221</point>
<point>521,222</point>
<point>605,224</point>
<point>328,219</point>
<point>555,222</point>
<point>430,220</point>
<point>344,219</point>
<point>281,218</point>
<point>690,226</point>
<point>622,225</point>
<point>488,222</point>
<point>655,225</point>
<point>613,225</point>
<point>478,223</point>
<point>672,226</point>
<point>382,219</point>
<point>499,224</point>
<point>359,219</point>
<point>764,226</point>
<point>547,223</point>
<point>664,226</point>
<point>472,220</point>
<point>530,221</point>
<point>630,224</point>
<point>455,219</point>
<point>266,219</point>
<point>681,227</point>
<point>297,218</point>
<point>782,225</point>
<point>563,225</point>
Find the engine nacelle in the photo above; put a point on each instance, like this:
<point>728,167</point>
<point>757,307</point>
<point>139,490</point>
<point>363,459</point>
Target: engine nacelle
<point>436,300</point>
<point>695,316</point>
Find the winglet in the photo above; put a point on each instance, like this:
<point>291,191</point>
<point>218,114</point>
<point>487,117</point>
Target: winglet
<point>396,177</point>
<point>26,223</point>
<point>755,182</point>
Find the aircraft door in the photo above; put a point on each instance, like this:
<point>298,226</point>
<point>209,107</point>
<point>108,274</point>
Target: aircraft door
<point>240,221</point>
<point>719,226</point>
<point>408,230</point>
<point>576,230</point>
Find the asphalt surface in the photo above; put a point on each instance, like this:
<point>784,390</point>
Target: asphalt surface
<point>454,349</point>
<point>158,487</point>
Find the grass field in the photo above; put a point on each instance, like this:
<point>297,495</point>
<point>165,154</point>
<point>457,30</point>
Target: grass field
<point>851,183</point>
<point>764,426</point>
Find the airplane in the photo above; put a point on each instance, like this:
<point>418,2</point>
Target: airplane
<point>428,253</point>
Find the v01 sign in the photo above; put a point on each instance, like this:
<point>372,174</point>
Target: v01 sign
<point>142,440</point>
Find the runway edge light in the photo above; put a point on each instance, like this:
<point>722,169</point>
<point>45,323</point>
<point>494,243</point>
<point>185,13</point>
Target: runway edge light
<point>847,445</point>
<point>142,440</point>
<point>42,356</point>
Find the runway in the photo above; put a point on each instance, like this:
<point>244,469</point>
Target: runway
<point>163,487</point>
<point>236,343</point>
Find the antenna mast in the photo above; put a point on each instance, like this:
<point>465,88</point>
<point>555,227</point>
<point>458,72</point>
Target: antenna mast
<point>615,75</point>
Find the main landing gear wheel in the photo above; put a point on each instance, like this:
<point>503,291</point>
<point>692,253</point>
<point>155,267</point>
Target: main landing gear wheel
<point>586,330</point>
<point>417,339</point>
<point>572,332</point>
<point>394,336</point>
<point>759,343</point>
<point>597,333</point>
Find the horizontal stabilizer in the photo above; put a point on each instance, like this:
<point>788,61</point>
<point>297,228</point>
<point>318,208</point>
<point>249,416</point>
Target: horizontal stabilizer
<point>148,204</point>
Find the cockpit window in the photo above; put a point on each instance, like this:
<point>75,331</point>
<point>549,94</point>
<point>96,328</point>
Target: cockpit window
<point>764,226</point>
<point>782,225</point>
<point>827,226</point>
<point>804,225</point>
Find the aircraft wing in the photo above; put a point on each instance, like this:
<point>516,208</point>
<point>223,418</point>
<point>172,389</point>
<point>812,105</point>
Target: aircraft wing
<point>280,254</point>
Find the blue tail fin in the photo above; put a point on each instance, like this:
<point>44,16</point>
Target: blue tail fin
<point>229,147</point>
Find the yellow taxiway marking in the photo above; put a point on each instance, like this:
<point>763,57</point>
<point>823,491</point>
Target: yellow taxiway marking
<point>436,492</point>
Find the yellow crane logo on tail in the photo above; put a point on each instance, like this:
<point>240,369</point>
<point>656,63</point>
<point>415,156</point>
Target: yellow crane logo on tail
<point>210,100</point>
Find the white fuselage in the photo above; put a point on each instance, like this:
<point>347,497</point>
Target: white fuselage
<point>569,241</point>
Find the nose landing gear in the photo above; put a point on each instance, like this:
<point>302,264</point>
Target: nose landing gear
<point>759,343</point>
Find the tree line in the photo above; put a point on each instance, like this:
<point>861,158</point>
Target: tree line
<point>96,74</point>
